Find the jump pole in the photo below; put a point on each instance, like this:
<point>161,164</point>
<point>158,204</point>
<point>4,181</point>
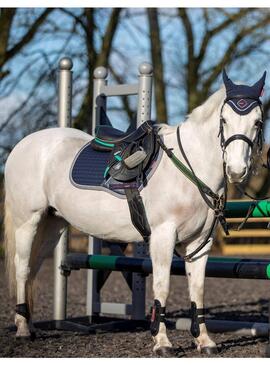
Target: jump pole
<point>232,268</point>
<point>216,267</point>
<point>239,328</point>
<point>239,209</point>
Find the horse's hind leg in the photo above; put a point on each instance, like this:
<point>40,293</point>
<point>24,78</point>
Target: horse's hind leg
<point>24,237</point>
<point>161,249</point>
<point>195,272</point>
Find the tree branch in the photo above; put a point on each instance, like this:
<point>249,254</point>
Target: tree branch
<point>212,32</point>
<point>103,57</point>
<point>229,53</point>
<point>191,66</point>
<point>6,18</point>
<point>189,33</point>
<point>27,37</point>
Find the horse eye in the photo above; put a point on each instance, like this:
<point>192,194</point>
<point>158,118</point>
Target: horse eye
<point>223,120</point>
<point>258,123</point>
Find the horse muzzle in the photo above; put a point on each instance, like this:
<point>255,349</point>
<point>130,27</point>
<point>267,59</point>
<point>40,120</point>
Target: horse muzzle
<point>236,176</point>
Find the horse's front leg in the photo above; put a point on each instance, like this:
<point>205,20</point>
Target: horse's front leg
<point>161,250</point>
<point>195,271</point>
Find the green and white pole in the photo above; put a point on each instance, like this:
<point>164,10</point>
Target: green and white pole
<point>239,209</point>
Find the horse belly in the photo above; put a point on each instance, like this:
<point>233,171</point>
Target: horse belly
<point>97,213</point>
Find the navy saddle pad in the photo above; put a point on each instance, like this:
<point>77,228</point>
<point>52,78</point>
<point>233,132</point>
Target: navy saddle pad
<point>88,168</point>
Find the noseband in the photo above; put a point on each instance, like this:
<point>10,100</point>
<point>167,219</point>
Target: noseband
<point>258,140</point>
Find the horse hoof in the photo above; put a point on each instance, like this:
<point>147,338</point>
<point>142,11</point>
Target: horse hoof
<point>23,339</point>
<point>32,337</point>
<point>165,351</point>
<point>207,350</point>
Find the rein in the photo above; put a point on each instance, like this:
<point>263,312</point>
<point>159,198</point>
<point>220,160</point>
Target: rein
<point>217,206</point>
<point>218,203</point>
<point>213,200</point>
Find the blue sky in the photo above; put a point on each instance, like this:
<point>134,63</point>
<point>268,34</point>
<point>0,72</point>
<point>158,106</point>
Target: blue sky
<point>132,48</point>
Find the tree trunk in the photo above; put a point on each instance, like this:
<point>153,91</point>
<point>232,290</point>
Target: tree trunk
<point>156,52</point>
<point>6,18</point>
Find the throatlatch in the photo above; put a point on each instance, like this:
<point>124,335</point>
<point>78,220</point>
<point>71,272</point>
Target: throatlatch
<point>23,310</point>
<point>157,317</point>
<point>197,317</point>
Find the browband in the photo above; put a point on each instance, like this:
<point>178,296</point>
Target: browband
<point>241,104</point>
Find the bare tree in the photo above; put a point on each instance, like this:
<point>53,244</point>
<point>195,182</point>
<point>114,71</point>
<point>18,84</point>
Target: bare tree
<point>38,109</point>
<point>248,27</point>
<point>247,32</point>
<point>224,38</point>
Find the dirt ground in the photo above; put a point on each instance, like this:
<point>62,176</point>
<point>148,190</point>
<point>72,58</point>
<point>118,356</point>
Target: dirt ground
<point>225,299</point>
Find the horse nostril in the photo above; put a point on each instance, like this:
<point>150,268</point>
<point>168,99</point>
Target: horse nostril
<point>236,175</point>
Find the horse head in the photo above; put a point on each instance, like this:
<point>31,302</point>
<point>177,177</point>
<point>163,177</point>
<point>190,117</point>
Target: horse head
<point>241,123</point>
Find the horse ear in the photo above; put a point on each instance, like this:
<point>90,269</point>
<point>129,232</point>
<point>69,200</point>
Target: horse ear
<point>258,86</point>
<point>227,82</point>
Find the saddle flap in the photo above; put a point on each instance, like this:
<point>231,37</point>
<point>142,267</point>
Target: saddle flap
<point>129,160</point>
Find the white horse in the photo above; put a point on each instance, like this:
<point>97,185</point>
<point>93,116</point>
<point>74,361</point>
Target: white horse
<point>37,180</point>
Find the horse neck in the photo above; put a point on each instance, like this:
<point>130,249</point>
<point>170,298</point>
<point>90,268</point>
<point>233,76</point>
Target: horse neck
<point>202,147</point>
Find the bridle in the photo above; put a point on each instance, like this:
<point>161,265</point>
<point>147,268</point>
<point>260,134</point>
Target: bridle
<point>258,139</point>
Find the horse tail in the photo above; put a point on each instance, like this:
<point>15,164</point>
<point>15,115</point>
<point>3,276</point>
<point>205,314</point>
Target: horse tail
<point>9,247</point>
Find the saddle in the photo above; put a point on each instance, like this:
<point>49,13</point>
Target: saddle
<point>130,157</point>
<point>131,153</point>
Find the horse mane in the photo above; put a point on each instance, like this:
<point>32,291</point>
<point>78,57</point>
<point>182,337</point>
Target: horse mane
<point>200,114</point>
<point>205,110</point>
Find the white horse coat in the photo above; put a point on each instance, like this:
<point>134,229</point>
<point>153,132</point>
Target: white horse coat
<point>37,179</point>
